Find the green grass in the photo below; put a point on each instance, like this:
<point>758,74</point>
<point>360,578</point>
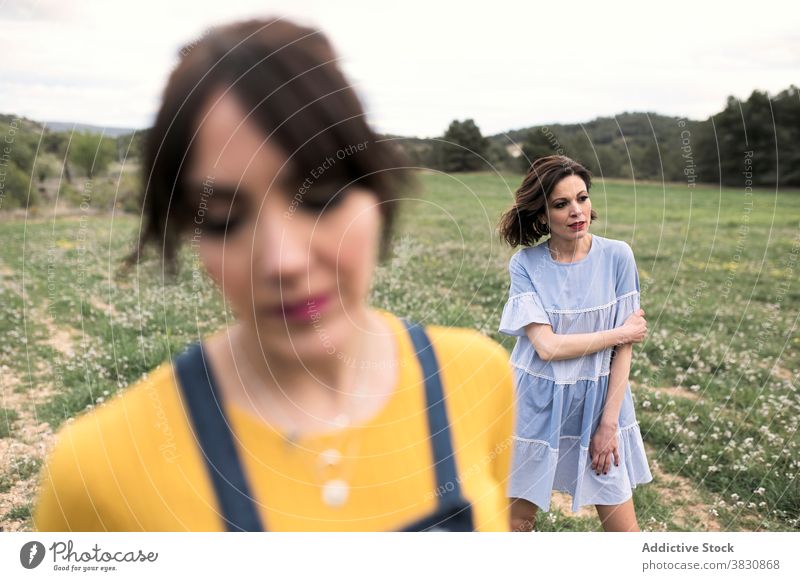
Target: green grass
<point>652,514</point>
<point>20,512</point>
<point>21,468</point>
<point>718,273</point>
<point>7,417</point>
<point>25,468</point>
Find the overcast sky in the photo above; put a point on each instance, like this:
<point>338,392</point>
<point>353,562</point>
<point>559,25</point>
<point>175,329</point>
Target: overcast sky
<point>417,64</point>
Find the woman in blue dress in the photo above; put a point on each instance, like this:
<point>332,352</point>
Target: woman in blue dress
<point>574,307</point>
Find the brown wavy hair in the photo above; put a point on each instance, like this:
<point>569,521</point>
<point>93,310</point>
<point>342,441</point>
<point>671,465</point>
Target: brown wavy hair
<point>289,79</point>
<point>522,224</point>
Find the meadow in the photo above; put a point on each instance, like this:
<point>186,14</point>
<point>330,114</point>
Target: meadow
<point>715,383</point>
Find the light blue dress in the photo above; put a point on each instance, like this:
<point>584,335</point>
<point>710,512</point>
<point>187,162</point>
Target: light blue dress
<point>559,403</point>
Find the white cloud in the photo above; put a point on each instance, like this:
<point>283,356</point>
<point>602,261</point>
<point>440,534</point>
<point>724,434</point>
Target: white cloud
<point>418,64</point>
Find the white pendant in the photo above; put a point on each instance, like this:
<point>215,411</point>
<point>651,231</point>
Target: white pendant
<point>330,457</point>
<point>335,492</point>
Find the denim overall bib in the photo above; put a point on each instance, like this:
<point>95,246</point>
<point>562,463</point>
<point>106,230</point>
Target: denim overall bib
<point>212,432</point>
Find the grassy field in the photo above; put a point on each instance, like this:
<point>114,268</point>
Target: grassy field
<point>716,383</point>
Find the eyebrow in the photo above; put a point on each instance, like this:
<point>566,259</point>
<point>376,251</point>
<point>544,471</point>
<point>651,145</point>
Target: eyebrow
<point>210,189</point>
<point>566,200</point>
<point>197,187</point>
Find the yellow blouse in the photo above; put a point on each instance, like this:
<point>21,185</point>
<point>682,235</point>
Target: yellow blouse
<point>133,465</point>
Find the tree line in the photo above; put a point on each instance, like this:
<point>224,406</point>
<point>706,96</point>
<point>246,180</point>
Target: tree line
<point>70,166</point>
<point>764,130</point>
<point>759,137</point>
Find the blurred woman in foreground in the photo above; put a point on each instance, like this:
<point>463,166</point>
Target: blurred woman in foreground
<point>312,411</point>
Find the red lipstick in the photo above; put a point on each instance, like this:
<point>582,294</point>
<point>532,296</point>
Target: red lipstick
<point>304,310</point>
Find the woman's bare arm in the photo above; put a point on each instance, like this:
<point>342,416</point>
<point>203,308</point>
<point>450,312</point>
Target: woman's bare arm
<point>553,347</point>
<point>617,382</point>
<point>604,447</point>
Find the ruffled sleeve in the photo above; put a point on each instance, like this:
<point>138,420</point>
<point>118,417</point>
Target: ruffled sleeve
<point>627,285</point>
<point>523,306</point>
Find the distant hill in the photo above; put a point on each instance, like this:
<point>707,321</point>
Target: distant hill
<point>761,132</point>
<point>67,126</point>
<point>631,144</point>
<point>603,130</point>
<point>752,142</point>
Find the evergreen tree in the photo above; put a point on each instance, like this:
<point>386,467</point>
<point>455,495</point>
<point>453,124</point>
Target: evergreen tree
<point>462,148</point>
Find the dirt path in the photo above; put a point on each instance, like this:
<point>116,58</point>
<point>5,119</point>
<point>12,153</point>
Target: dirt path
<point>29,439</point>
<point>563,502</point>
<point>680,494</point>
<point>674,391</point>
<point>102,306</point>
<point>22,452</point>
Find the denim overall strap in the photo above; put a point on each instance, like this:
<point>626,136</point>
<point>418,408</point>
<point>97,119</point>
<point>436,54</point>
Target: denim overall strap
<point>448,489</point>
<point>213,433</point>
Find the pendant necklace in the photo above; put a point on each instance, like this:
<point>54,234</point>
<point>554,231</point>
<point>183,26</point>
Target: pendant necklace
<point>330,463</point>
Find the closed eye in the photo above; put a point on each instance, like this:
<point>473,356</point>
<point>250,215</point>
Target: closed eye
<point>219,227</point>
<point>219,209</point>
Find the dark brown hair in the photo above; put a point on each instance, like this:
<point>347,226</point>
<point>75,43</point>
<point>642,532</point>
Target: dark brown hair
<point>521,224</point>
<point>287,78</point>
